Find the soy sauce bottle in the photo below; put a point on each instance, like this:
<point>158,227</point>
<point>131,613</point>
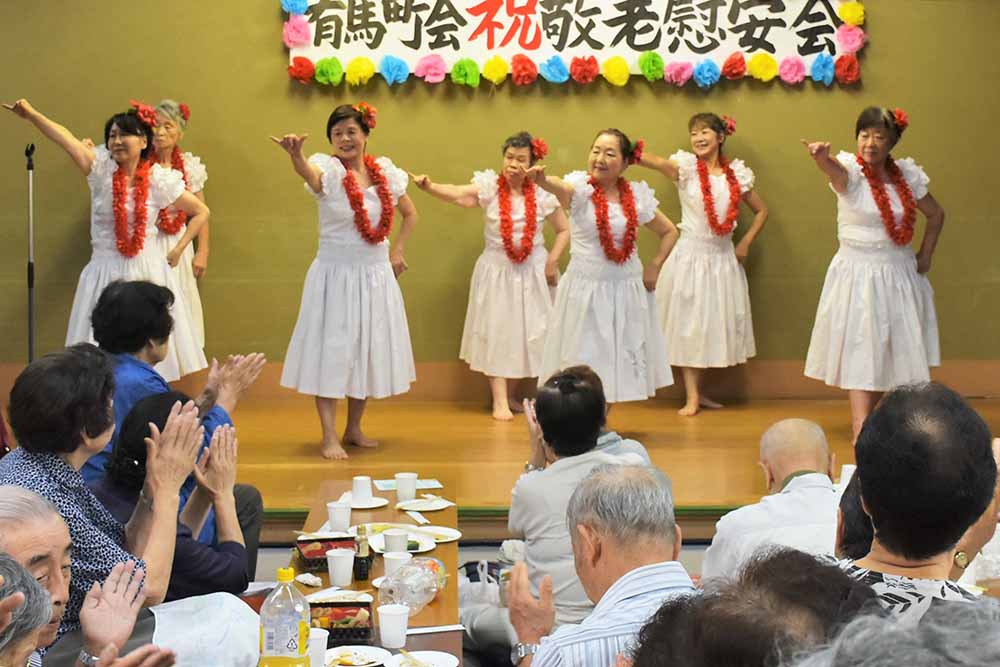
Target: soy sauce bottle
<point>362,559</point>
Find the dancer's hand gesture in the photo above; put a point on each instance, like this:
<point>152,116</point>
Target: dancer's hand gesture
<point>292,143</point>
<point>535,173</point>
<point>21,107</point>
<point>819,150</point>
<point>422,181</point>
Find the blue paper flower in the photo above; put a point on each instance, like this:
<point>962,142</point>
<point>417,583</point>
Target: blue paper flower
<point>706,74</point>
<point>394,70</point>
<point>822,69</point>
<point>554,70</point>
<point>295,6</point>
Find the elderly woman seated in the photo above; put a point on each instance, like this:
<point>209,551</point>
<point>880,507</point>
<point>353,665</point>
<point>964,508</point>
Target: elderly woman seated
<point>19,635</point>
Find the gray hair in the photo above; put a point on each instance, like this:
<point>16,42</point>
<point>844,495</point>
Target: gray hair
<point>172,110</point>
<point>19,506</point>
<point>625,501</point>
<point>948,634</point>
<point>30,616</point>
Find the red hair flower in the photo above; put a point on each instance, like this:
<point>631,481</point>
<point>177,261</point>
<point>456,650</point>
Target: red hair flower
<point>584,70</point>
<point>730,124</point>
<point>637,149</point>
<point>302,69</point>
<point>523,70</point>
<point>368,113</point>
<point>145,112</point>
<point>902,119</point>
<point>735,66</point>
<point>539,149</point>
<point>847,69</point>
<point>185,112</point>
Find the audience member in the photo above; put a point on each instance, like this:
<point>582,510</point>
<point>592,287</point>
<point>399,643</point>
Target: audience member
<point>854,528</point>
<point>609,442</point>
<point>801,511</point>
<point>20,635</point>
<point>625,544</point>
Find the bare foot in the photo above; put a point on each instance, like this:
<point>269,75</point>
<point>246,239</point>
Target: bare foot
<point>502,413</point>
<point>688,410</point>
<point>706,402</point>
<point>358,439</point>
<point>333,450</point>
<point>516,406</point>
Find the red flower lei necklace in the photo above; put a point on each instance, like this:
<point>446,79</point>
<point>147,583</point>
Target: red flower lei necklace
<point>168,224</point>
<point>130,246</point>
<point>517,255</point>
<point>902,233</point>
<point>604,224</point>
<point>357,200</point>
<point>708,198</point>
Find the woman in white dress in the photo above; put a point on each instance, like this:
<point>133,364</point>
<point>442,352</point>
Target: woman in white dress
<point>510,296</point>
<point>122,234</point>
<point>604,314</point>
<point>171,123</point>
<point>351,339</point>
<point>702,296</point>
<point>876,327</point>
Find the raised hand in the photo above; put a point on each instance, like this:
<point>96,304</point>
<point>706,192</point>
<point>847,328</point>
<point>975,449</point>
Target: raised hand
<point>108,614</point>
<point>292,143</point>
<point>532,618</point>
<point>216,472</point>
<point>21,107</point>
<point>236,376</point>
<point>422,181</point>
<point>146,656</point>
<point>819,150</point>
<point>8,606</point>
<point>171,455</point>
<point>534,173</point>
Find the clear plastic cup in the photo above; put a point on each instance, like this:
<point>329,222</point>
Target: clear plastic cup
<point>317,647</point>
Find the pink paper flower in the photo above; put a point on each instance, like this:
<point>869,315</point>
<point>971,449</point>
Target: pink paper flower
<point>296,31</point>
<point>678,73</point>
<point>851,38</point>
<point>431,69</point>
<point>792,70</point>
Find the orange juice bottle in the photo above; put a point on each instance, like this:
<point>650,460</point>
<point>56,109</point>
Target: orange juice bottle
<point>284,625</point>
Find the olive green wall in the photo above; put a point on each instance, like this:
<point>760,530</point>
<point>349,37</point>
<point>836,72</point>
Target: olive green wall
<point>79,62</point>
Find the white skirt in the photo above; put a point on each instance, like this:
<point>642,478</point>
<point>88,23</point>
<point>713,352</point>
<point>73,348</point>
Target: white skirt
<point>876,327</point>
<point>351,338</point>
<point>604,317</point>
<point>703,304</point>
<point>188,283</point>
<point>184,355</point>
<point>508,312</point>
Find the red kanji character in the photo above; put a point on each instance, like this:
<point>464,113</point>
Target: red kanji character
<point>529,35</point>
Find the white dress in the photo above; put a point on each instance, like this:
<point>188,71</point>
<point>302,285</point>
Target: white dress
<point>603,315</point>
<point>509,303</point>
<point>196,177</point>
<point>351,338</point>
<point>106,264</point>
<point>876,327</point>
<point>702,298</point>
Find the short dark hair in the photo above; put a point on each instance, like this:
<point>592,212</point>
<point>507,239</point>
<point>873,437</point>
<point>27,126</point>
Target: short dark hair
<point>856,537</point>
<point>782,601</point>
<point>710,120</point>
<point>126,467</point>
<point>346,112</point>
<point>571,410</point>
<point>130,123</point>
<point>520,140</point>
<point>58,398</point>
<point>880,118</point>
<point>129,314</point>
<point>926,469</point>
<point>627,147</point>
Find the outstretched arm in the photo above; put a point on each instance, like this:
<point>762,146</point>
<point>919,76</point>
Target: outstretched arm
<point>663,227</point>
<point>82,154</point>
<point>836,172</point>
<point>466,196</point>
<point>311,174</point>
<point>759,208</point>
<point>665,166</point>
<point>560,188</point>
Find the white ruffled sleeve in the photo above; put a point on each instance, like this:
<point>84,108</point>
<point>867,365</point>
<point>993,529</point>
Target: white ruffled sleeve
<point>687,167</point>
<point>486,182</point>
<point>103,167</point>
<point>546,203</point>
<point>854,175</point>
<point>196,172</point>
<point>645,201</point>
<point>582,189</point>
<point>395,177</point>
<point>333,175</point>
<point>744,175</point>
<point>915,177</point>
<point>165,186</point>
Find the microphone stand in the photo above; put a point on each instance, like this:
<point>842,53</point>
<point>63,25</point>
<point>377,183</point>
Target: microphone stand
<point>29,153</point>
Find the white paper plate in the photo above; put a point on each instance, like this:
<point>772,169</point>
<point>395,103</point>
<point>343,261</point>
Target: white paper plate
<point>377,527</point>
<point>425,543</point>
<point>374,503</point>
<point>377,582</point>
<point>440,534</point>
<point>424,504</point>
<point>432,658</point>
<point>377,656</point>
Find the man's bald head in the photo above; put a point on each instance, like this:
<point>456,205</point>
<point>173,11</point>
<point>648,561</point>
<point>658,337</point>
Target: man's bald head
<point>794,445</point>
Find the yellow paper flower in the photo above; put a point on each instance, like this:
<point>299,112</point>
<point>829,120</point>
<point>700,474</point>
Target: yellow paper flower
<point>763,67</point>
<point>359,71</point>
<point>852,13</point>
<point>495,70</point>
<point>615,70</point>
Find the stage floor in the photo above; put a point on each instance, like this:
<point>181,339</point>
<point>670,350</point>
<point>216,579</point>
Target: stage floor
<point>711,458</point>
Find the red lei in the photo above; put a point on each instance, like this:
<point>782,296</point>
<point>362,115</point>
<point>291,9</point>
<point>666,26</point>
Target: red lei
<point>168,224</point>
<point>517,255</point>
<point>902,233</point>
<point>130,246</point>
<point>733,211</point>
<point>604,224</point>
<point>357,200</point>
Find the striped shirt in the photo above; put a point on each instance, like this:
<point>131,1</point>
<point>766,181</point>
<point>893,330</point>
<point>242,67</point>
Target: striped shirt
<point>616,620</point>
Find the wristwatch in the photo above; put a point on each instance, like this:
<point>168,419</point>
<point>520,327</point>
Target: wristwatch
<point>529,467</point>
<point>522,651</point>
<point>961,560</point>
<point>86,659</point>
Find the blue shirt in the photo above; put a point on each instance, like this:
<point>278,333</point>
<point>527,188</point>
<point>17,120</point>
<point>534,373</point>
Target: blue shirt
<point>616,619</point>
<point>98,538</point>
<point>134,381</point>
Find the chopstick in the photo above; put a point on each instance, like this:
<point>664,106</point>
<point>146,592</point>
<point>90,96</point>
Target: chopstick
<point>416,662</point>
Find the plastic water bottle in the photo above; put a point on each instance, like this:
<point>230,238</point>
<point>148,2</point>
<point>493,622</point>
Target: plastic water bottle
<point>284,625</point>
